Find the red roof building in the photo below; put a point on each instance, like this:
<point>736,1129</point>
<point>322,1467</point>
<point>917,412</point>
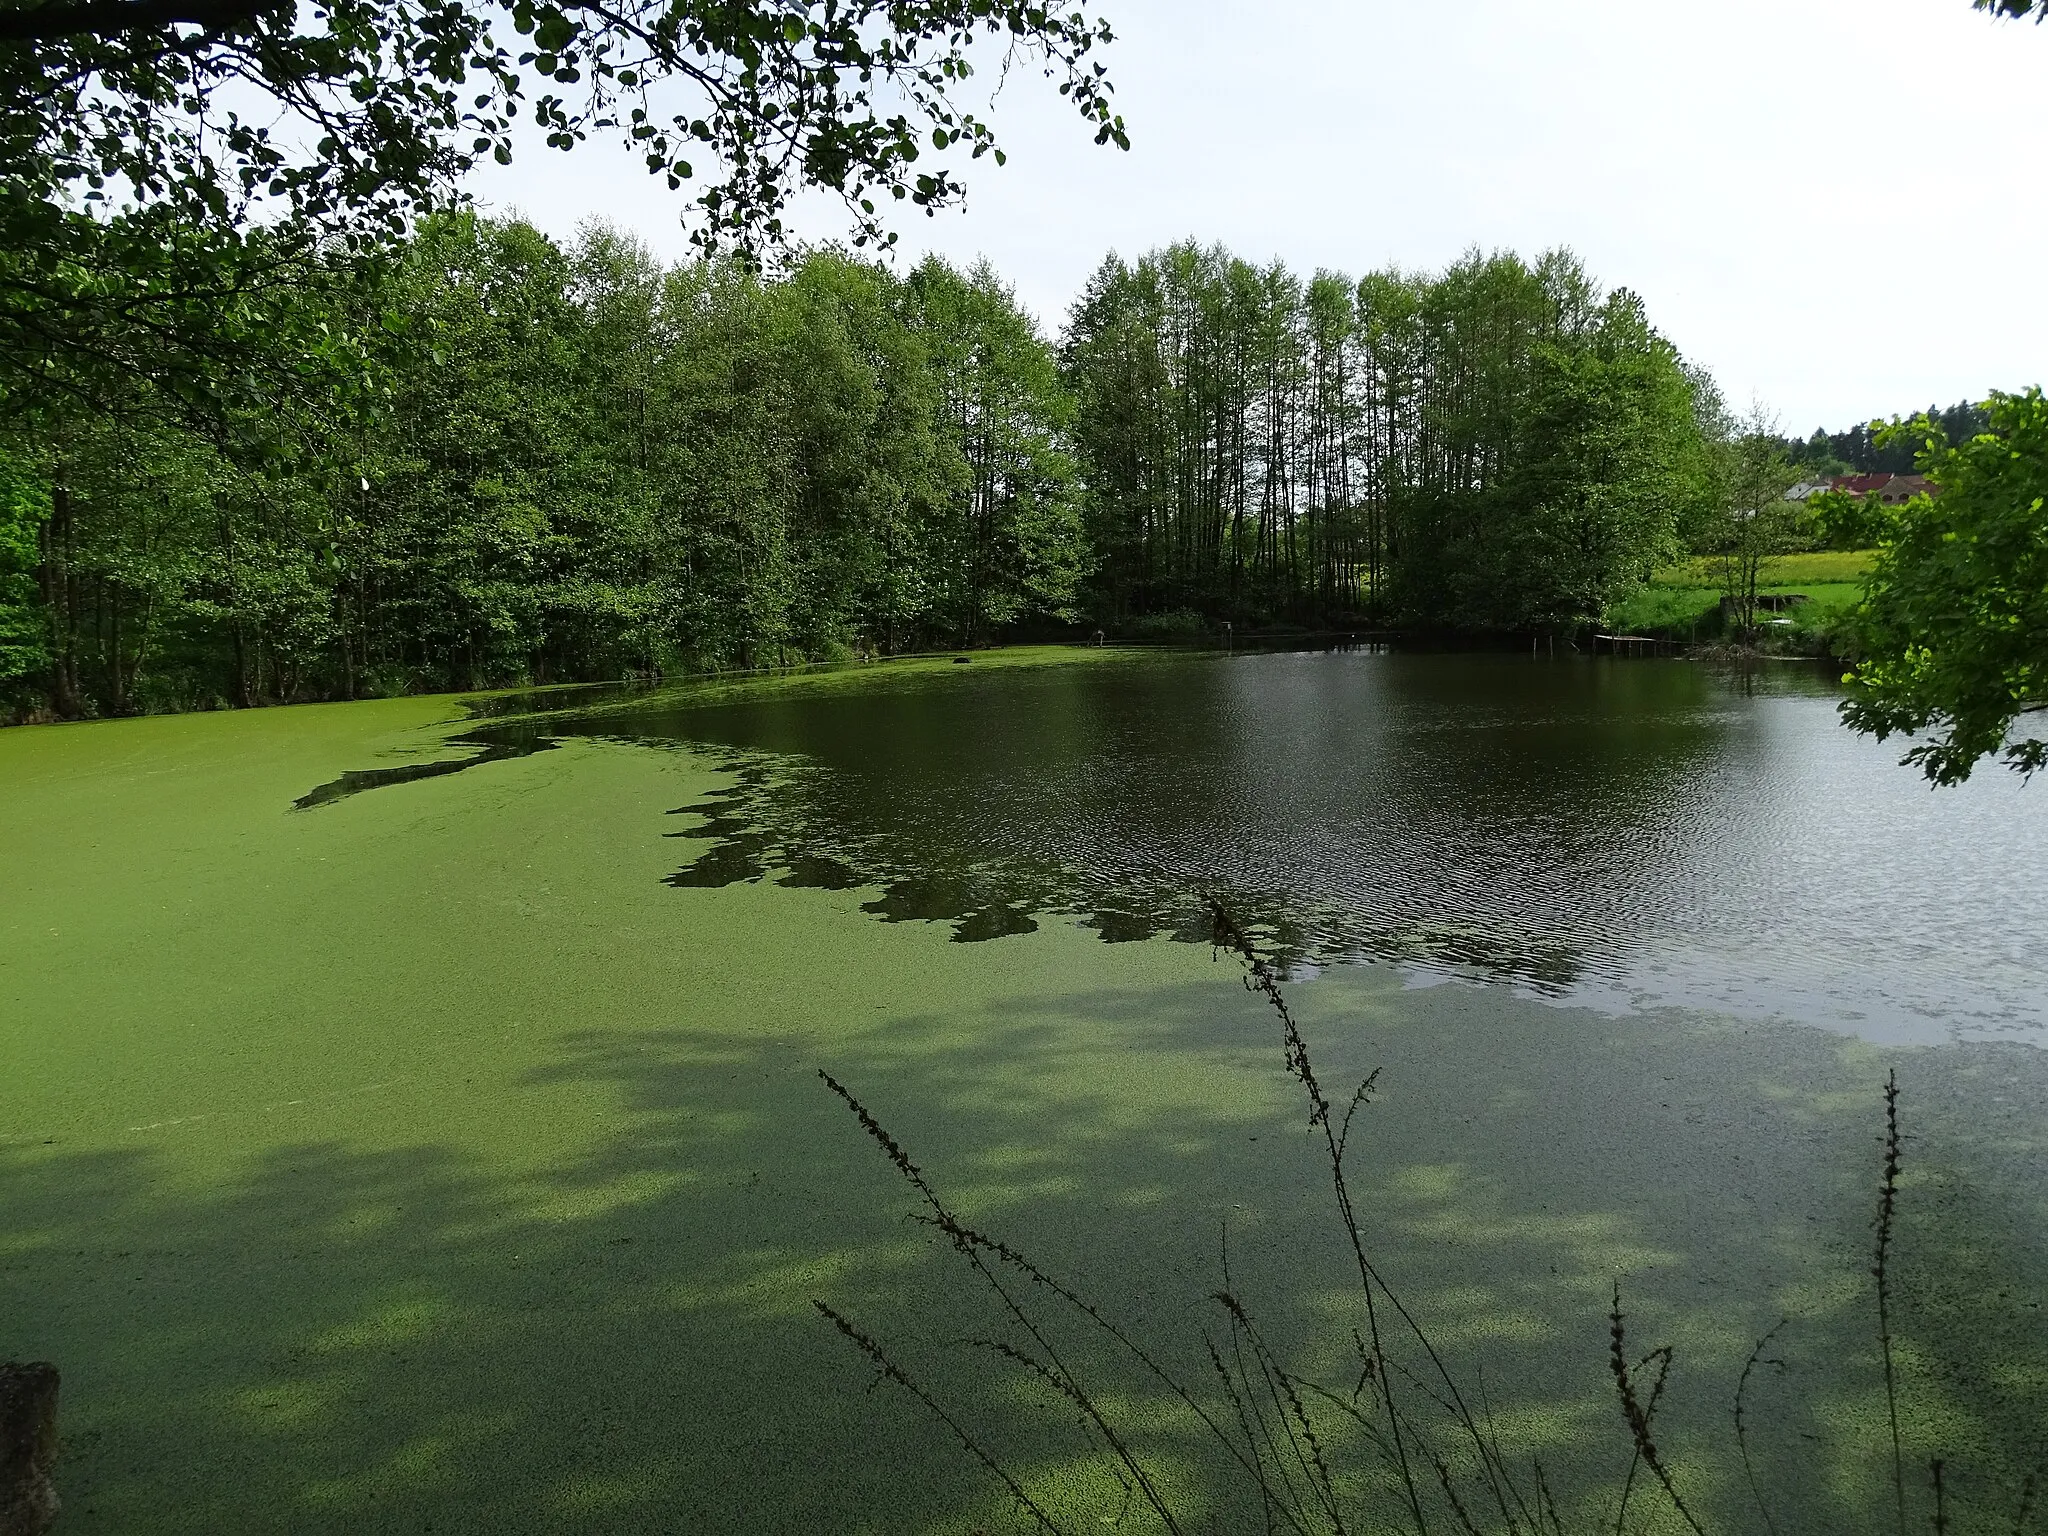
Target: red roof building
<point>1890,490</point>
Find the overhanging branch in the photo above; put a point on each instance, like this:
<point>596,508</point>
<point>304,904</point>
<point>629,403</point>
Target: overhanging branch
<point>111,18</point>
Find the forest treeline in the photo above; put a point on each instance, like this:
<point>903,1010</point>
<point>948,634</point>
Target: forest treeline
<point>1867,449</point>
<point>570,462</point>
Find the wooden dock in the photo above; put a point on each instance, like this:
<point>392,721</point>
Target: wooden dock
<point>1637,645</point>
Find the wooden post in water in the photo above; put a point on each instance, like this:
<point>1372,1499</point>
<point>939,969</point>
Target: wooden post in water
<point>28,1448</point>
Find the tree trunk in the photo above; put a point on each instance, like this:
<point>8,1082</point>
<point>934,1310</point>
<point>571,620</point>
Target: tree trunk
<point>243,699</point>
<point>117,677</point>
<point>60,603</point>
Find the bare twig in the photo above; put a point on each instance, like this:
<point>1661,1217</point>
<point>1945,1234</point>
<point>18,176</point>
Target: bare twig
<point>894,1372</point>
<point>1742,1429</point>
<point>1638,1420</point>
<point>1887,1203</point>
<point>974,1246</point>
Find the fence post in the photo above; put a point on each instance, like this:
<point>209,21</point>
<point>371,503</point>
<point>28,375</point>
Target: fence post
<point>28,1448</point>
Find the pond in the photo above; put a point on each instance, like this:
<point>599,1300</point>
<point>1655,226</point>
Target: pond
<point>1615,832</point>
<point>412,1115</point>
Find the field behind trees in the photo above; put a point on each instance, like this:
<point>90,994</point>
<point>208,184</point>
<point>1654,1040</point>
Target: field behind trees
<point>519,461</point>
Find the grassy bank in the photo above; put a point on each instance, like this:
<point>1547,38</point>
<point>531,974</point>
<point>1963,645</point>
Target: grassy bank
<point>423,1161</point>
<point>1694,613</point>
<point>1683,602</point>
<point>1824,567</point>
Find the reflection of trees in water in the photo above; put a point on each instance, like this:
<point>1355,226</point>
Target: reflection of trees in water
<point>1541,822</point>
<point>1463,812</point>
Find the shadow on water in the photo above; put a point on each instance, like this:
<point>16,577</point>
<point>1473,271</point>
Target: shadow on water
<point>1323,797</point>
<point>354,1340</point>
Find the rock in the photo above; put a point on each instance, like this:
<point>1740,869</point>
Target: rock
<point>28,1448</point>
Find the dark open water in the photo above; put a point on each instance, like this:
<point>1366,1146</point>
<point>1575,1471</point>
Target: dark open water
<point>1622,832</point>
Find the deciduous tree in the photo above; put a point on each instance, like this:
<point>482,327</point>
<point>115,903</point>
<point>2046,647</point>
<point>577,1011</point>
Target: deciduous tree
<point>1953,633</point>
<point>168,167</point>
<point>1756,521</point>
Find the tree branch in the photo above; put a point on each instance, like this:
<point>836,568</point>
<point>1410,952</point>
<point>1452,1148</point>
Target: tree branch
<point>111,18</point>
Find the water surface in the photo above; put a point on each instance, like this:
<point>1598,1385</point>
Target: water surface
<point>1624,832</point>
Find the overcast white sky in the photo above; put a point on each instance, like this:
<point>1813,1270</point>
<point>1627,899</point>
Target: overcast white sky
<point>1836,205</point>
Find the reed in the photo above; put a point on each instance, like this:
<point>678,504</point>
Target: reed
<point>1441,1464</point>
<point>1887,1210</point>
<point>1756,1357</point>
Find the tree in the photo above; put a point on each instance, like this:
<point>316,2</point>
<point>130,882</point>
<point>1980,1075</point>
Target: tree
<point>1953,630</point>
<point>1499,446</point>
<point>24,508</point>
<point>1011,534</point>
<point>1608,456</point>
<point>1756,520</point>
<point>1844,520</point>
<point>167,165</point>
<point>1816,456</point>
<point>568,461</point>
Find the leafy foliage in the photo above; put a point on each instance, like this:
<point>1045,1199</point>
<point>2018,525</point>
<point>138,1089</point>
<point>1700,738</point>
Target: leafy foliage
<point>171,165</point>
<point>1498,447</point>
<point>24,508</point>
<point>1867,449</point>
<point>566,463</point>
<point>1843,520</point>
<point>555,463</point>
<point>1954,633</point>
<point>1018,545</point>
<point>1756,522</point>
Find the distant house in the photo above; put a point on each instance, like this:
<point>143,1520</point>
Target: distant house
<point>1806,488</point>
<point>1889,490</point>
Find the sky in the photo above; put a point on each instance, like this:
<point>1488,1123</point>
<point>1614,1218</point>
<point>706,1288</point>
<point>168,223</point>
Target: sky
<point>1837,206</point>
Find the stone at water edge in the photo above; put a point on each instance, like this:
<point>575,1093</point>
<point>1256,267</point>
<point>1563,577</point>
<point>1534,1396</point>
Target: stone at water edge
<point>28,1448</point>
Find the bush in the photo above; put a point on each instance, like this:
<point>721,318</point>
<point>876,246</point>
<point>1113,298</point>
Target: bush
<point>1175,624</point>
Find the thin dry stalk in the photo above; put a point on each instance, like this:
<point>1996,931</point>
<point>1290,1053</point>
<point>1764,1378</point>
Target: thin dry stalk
<point>1259,978</point>
<point>1403,1433</point>
<point>1545,1500</point>
<point>1303,1446</point>
<point>1638,1419</point>
<point>1742,1428</point>
<point>1662,1359</point>
<point>977,1248</point>
<point>1450,1487</point>
<point>894,1372</point>
<point>1887,1205</point>
<point>1268,1430</point>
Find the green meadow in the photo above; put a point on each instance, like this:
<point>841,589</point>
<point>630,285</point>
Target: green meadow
<point>1824,567</point>
<point>1683,601</point>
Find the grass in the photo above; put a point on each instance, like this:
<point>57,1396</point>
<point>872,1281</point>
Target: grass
<point>1825,567</point>
<point>1694,612</point>
<point>1683,601</point>
<point>423,1160</point>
